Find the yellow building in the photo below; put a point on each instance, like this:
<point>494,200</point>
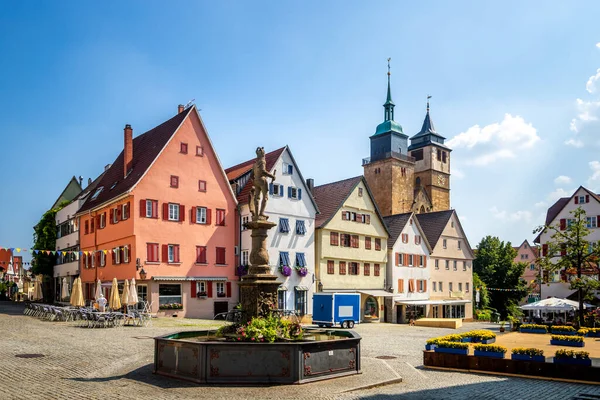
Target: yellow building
<point>351,244</point>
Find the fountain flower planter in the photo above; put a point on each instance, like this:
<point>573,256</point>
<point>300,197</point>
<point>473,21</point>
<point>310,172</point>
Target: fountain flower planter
<point>451,351</point>
<point>566,343</point>
<point>525,357</point>
<point>202,358</point>
<point>430,347</point>
<point>573,361</point>
<point>491,354</point>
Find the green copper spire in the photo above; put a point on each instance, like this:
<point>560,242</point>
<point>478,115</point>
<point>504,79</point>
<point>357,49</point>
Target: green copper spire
<point>389,104</point>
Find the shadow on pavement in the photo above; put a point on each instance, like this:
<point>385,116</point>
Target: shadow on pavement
<point>11,308</point>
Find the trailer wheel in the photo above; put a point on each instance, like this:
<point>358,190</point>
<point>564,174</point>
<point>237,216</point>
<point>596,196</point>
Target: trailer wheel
<point>345,324</point>
<point>350,324</point>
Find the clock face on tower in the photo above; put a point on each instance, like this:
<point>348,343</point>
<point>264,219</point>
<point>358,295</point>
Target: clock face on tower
<point>441,180</point>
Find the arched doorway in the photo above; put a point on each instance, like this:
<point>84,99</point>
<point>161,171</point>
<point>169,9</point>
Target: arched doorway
<point>371,308</point>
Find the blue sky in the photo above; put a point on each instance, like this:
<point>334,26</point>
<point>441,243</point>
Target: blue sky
<point>512,83</point>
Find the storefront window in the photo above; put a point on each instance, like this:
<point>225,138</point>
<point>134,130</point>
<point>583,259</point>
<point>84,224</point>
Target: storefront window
<point>169,293</point>
<point>371,307</point>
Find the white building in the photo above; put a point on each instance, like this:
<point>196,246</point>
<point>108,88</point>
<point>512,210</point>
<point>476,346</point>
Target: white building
<point>291,243</point>
<point>408,271</point>
<point>558,215</point>
<point>67,236</point>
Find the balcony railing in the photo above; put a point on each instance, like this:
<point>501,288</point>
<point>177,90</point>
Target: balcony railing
<point>389,154</point>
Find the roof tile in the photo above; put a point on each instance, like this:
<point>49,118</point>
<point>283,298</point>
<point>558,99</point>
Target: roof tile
<point>433,224</point>
<point>330,197</point>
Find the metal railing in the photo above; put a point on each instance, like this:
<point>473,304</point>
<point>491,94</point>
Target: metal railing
<point>389,154</point>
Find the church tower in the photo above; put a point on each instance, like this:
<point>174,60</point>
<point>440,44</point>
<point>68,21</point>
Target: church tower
<point>432,166</point>
<point>390,170</point>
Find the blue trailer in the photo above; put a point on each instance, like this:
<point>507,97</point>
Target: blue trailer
<point>332,309</point>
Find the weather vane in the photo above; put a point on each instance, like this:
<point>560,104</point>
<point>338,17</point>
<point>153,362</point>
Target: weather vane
<point>389,59</point>
<point>428,97</point>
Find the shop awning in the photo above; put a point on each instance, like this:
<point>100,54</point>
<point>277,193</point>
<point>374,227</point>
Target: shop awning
<point>425,302</point>
<point>373,292</point>
<point>189,278</point>
<point>301,288</point>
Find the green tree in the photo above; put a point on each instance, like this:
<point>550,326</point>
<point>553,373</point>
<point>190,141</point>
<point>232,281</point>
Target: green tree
<point>494,264</point>
<point>569,251</point>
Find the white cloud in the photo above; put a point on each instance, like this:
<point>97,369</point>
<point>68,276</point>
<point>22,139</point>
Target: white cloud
<point>512,217</point>
<point>557,194</point>
<point>590,86</point>
<point>496,141</point>
<point>586,112</point>
<point>593,181</point>
<point>559,180</point>
<point>574,142</point>
<point>598,45</point>
<point>540,204</point>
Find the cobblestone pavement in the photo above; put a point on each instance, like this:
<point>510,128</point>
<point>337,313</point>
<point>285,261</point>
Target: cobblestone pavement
<point>117,364</point>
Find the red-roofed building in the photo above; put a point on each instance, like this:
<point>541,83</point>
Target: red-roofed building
<point>164,214</point>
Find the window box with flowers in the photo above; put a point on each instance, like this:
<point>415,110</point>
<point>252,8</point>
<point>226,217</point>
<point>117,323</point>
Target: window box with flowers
<point>171,306</point>
<point>284,264</point>
<point>221,294</point>
<point>202,295</point>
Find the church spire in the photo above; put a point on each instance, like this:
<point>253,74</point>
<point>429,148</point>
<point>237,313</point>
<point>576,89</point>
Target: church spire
<point>389,104</point>
<point>427,123</point>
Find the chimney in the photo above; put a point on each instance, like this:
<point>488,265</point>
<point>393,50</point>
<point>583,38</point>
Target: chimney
<point>106,167</point>
<point>180,108</point>
<point>80,180</point>
<point>310,184</point>
<point>128,151</point>
<point>89,181</point>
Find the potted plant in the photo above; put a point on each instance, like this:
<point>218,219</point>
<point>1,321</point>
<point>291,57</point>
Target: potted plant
<point>533,328</point>
<point>285,270</point>
<point>502,326</point>
<point>527,354</point>
<point>563,330</point>
<point>452,348</point>
<point>572,357</point>
<point>489,350</point>
<point>202,295</point>
<point>302,271</point>
<point>563,340</point>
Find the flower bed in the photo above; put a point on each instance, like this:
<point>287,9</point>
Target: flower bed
<point>589,332</point>
<point>489,350</point>
<point>533,328</point>
<point>572,357</point>
<point>563,330</point>
<point>481,336</point>
<point>563,340</point>
<point>476,336</point>
<point>452,348</point>
<point>527,354</point>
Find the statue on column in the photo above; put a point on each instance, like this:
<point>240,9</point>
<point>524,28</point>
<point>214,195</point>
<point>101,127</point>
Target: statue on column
<point>260,186</point>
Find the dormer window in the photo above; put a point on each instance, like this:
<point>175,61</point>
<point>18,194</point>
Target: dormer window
<point>113,185</point>
<point>97,193</point>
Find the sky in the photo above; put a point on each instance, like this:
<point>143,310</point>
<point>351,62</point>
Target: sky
<point>515,89</point>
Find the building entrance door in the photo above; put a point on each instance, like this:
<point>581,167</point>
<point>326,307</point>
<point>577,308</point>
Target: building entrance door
<point>221,307</point>
<point>398,314</point>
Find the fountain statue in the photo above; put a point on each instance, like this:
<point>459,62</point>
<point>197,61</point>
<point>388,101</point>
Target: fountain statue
<point>259,287</point>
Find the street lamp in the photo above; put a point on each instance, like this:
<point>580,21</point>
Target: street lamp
<point>143,274</point>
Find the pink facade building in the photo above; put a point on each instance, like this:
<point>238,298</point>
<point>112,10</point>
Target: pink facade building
<point>528,254</point>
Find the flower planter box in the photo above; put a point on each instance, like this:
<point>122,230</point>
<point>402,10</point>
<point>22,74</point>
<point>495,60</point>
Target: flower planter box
<point>564,333</point>
<point>430,347</point>
<point>573,361</point>
<point>484,341</point>
<point>593,334</point>
<point>525,357</point>
<point>532,331</point>
<point>451,351</point>
<point>466,340</point>
<point>566,343</point>
<point>492,354</point>
<point>202,297</point>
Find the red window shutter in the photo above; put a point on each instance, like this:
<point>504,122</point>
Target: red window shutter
<point>119,213</point>
<point>563,224</point>
<point>405,259</point>
<point>209,285</point>
<point>193,215</point>
<point>397,258</point>
<point>587,198</point>
<point>193,289</point>
<point>155,209</point>
<point>165,253</point>
<point>208,216</point>
<point>142,208</point>
<point>112,213</point>
<point>165,211</point>
<point>176,253</point>
<point>424,285</point>
<point>424,261</point>
<point>544,250</point>
<point>576,199</point>
<point>181,213</point>
<point>228,288</point>
<point>400,285</point>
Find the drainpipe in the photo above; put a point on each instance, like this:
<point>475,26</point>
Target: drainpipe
<point>239,211</point>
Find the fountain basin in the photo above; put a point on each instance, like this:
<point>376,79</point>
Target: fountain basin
<point>201,357</point>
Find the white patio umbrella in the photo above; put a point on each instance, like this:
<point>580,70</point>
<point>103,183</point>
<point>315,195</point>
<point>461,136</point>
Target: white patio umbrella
<point>133,296</point>
<point>114,301</point>
<point>554,304</point>
<point>64,292</point>
<point>125,294</point>
<point>98,290</point>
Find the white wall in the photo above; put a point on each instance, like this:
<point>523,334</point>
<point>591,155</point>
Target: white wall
<point>395,272</point>
<point>70,240</point>
<point>284,207</point>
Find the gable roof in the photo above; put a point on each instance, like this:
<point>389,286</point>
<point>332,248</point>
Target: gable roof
<point>395,225</point>
<point>146,148</point>
<point>331,196</point>
<point>433,224</point>
<point>237,171</point>
<point>69,193</point>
